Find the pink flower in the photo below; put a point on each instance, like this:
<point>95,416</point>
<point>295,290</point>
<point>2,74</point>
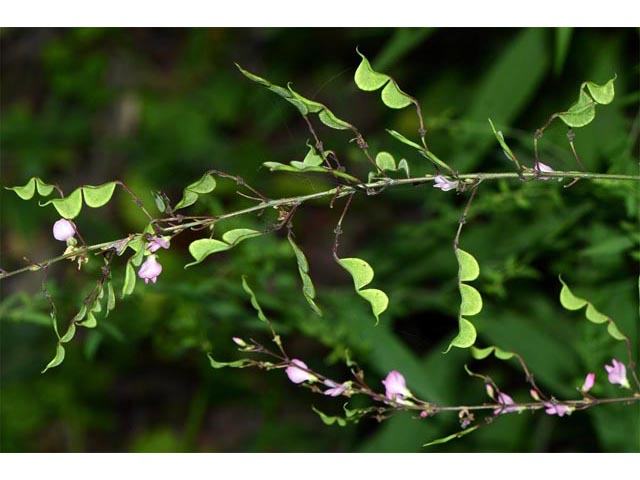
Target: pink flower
<point>489,389</point>
<point>156,243</point>
<point>588,382</point>
<point>541,167</point>
<point>396,386</point>
<point>506,401</point>
<point>296,373</point>
<point>63,230</point>
<point>238,341</point>
<point>150,269</point>
<point>336,389</point>
<point>443,184</point>
<point>534,395</point>
<point>617,373</point>
<point>557,409</point>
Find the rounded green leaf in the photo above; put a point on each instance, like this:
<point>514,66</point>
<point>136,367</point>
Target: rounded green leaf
<point>366,78</point>
<point>26,191</point>
<point>568,300</point>
<point>482,353</point>
<point>233,237</point>
<point>594,315</point>
<point>377,298</point>
<point>68,207</point>
<point>205,184</point>
<point>469,269</point>
<point>615,332</point>
<point>393,97</point>
<point>466,335</point>
<point>129,280</point>
<point>581,113</point>
<point>90,321</point>
<point>57,359</point>
<point>44,189</point>
<point>203,247</point>
<point>311,105</point>
<point>385,161</point>
<point>602,94</point>
<point>360,270</point>
<point>97,196</point>
<point>111,298</point>
<point>471,300</point>
<point>327,117</point>
<point>70,333</point>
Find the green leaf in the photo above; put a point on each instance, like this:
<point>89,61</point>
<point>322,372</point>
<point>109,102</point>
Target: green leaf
<point>57,359</point>
<point>615,332</point>
<point>569,300</point>
<point>466,335</point>
<point>308,289</point>
<point>233,237</point>
<point>580,113</point>
<point>562,41</point>
<point>471,300</point>
<point>311,159</point>
<point>68,207</point>
<point>366,78</point>
<point>503,144</point>
<point>90,321</point>
<point>71,331</point>
<point>160,205</point>
<point>403,139</point>
<point>111,297</point>
<point>97,196</point>
<point>403,165</point>
<point>329,420</point>
<point>468,268</point>
<point>327,117</point>
<point>482,353</point>
<point>245,362</point>
<point>362,274</point>
<point>203,247</point>
<point>393,97</point>
<point>254,300</point>
<point>454,436</point>
<point>593,315</point>
<point>385,161</point>
<point>280,167</point>
<point>205,184</point>
<point>602,94</point>
<point>27,191</point>
<point>129,280</point>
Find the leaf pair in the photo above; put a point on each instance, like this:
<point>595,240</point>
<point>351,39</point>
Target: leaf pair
<point>95,196</point>
<point>304,105</point>
<point>362,274</point>
<point>386,163</point>
<point>202,248</point>
<point>369,80</point>
<point>471,303</point>
<point>591,94</point>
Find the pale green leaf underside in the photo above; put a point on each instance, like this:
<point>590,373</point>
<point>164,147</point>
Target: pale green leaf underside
<point>129,280</point>
<point>57,359</point>
<point>28,190</point>
<point>367,79</point>
<point>482,353</point>
<point>362,275</point>
<point>401,138</point>
<point>203,247</point>
<point>471,300</point>
<point>68,207</point>
<point>583,111</point>
<point>469,269</point>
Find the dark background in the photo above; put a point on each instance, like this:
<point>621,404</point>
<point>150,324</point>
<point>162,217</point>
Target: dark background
<point>158,107</point>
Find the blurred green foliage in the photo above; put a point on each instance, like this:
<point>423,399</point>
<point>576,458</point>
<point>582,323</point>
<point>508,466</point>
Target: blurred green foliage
<point>158,107</point>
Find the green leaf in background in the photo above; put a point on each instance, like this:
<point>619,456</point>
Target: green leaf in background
<point>362,274</point>
<point>57,359</point>
<point>562,42</point>
<point>205,184</point>
<point>308,289</point>
<point>311,159</point>
<point>68,207</point>
<point>97,196</point>
<point>572,302</point>
<point>27,191</point>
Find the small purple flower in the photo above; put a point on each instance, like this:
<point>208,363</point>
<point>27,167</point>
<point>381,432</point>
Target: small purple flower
<point>336,389</point>
<point>588,382</point>
<point>557,409</point>
<point>617,373</point>
<point>506,403</point>
<point>63,230</point>
<point>443,184</point>
<point>541,167</point>
<point>423,414</point>
<point>296,373</point>
<point>150,269</point>
<point>156,243</point>
<point>395,386</point>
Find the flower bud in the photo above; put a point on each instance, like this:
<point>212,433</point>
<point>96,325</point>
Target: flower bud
<point>63,230</point>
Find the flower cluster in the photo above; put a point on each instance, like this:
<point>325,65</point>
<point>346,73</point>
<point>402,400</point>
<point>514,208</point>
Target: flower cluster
<point>151,268</point>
